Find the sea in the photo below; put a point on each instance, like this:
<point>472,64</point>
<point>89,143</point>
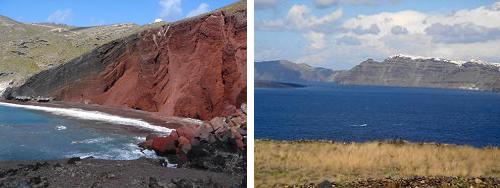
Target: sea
<point>370,113</point>
<point>46,133</point>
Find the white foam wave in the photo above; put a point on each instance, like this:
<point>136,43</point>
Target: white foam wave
<point>362,125</point>
<point>60,127</point>
<point>140,138</point>
<point>92,115</point>
<point>94,141</point>
<point>129,151</point>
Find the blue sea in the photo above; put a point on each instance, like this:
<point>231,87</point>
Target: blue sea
<point>41,133</point>
<point>366,113</point>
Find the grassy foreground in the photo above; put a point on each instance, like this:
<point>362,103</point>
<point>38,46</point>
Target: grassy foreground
<point>280,162</point>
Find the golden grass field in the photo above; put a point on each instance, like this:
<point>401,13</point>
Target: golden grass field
<point>280,162</point>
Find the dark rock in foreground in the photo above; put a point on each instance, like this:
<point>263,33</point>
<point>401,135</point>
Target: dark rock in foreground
<point>418,181</point>
<point>218,145</point>
<point>106,173</point>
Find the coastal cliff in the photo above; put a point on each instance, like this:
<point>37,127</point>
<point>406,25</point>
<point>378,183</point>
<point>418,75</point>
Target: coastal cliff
<point>398,70</point>
<point>423,72</point>
<point>190,68</point>
<point>283,70</point>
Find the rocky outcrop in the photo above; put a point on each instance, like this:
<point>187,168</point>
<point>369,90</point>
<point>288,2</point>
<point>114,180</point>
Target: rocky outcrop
<point>399,70</point>
<point>423,72</point>
<point>217,145</point>
<point>286,71</point>
<point>191,68</point>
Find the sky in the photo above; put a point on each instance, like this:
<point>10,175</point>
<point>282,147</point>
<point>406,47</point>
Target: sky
<point>340,34</point>
<point>101,12</point>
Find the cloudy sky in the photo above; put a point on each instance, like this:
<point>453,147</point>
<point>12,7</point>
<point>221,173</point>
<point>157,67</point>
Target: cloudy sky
<point>98,12</point>
<point>339,34</point>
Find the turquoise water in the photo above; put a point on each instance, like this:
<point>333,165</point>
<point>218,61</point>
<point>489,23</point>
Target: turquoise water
<point>363,113</point>
<point>32,135</point>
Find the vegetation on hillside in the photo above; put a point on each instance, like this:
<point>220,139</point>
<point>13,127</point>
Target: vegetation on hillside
<point>26,49</point>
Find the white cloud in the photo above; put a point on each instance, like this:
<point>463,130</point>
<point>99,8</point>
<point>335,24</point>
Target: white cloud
<point>266,4</point>
<point>170,9</point>
<point>329,3</point>
<point>202,8</point>
<point>325,3</point>
<point>373,29</point>
<point>158,20</point>
<point>460,35</point>
<point>348,40</point>
<point>399,30</point>
<point>60,16</point>
<point>300,18</point>
<point>316,40</point>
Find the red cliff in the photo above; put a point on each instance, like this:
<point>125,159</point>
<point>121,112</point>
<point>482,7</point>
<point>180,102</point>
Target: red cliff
<point>191,68</point>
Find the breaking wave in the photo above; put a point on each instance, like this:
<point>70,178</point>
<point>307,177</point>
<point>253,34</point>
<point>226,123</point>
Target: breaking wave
<point>362,125</point>
<point>92,115</point>
<point>61,127</point>
<point>93,141</point>
<point>129,151</point>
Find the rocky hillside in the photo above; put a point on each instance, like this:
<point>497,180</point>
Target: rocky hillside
<point>283,70</point>
<point>409,71</point>
<point>398,70</point>
<point>26,49</point>
<point>191,68</point>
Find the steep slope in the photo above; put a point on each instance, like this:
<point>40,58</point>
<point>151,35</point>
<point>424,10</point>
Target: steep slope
<point>26,49</point>
<point>398,70</point>
<point>408,71</point>
<point>191,68</point>
<point>283,70</point>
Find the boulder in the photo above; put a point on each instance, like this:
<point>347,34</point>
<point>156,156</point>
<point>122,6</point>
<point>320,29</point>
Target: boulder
<point>165,145</point>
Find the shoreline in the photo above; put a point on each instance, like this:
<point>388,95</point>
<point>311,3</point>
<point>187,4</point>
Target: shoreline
<point>171,122</point>
<point>151,166</point>
<point>384,141</point>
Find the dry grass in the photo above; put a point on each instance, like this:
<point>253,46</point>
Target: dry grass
<point>279,162</point>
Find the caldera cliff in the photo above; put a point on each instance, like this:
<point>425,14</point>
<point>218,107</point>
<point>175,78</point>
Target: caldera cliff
<point>190,68</point>
<point>398,70</point>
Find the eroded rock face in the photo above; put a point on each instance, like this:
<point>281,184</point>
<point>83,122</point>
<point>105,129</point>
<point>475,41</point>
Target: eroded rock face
<point>396,70</point>
<point>435,73</point>
<point>192,68</point>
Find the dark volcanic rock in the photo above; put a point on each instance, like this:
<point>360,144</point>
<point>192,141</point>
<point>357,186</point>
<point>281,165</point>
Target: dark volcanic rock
<point>416,181</point>
<point>218,145</point>
<point>191,68</point>
<point>108,173</point>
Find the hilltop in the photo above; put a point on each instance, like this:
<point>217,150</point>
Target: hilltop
<point>28,48</point>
